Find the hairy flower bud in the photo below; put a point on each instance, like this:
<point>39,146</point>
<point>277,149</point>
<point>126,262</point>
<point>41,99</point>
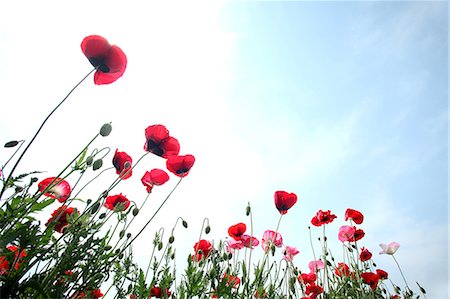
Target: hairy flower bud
<point>135,211</point>
<point>171,239</point>
<point>121,234</point>
<point>97,164</point>
<point>11,143</point>
<point>89,160</point>
<point>105,130</point>
<point>207,229</point>
<point>185,224</point>
<point>95,208</point>
<point>102,215</point>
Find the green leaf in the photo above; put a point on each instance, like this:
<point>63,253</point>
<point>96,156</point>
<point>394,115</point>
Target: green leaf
<point>41,205</point>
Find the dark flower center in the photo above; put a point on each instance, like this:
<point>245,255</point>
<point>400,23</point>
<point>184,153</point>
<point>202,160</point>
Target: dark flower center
<point>154,148</point>
<point>96,62</point>
<point>182,170</point>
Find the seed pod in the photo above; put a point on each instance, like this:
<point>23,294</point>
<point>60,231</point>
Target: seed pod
<point>135,211</point>
<point>11,143</point>
<point>89,160</point>
<point>95,208</point>
<point>105,130</point>
<point>97,164</point>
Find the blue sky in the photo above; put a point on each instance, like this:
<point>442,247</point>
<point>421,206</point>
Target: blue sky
<point>343,103</point>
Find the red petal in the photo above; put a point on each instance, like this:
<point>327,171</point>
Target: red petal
<point>95,46</point>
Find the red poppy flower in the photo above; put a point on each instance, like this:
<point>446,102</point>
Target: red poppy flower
<point>359,234</point>
<point>159,142</point>
<point>381,274</point>
<point>55,188</point>
<point>323,217</point>
<point>117,203</point>
<point>202,250</point>
<point>284,201</point>
<point>109,60</point>
<point>157,292</point>
<point>313,290</point>
<point>307,278</point>
<point>371,279</point>
<point>59,216</point>
<point>180,165</point>
<point>155,177</point>
<point>365,254</point>
<point>18,257</point>
<point>354,215</point>
<point>4,265</point>
<point>342,270</point>
<point>122,162</point>
<point>92,294</point>
<point>237,230</point>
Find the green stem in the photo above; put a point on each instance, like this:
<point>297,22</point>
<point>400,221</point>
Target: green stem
<point>39,130</point>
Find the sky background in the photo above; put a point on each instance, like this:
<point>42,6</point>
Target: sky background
<point>343,103</point>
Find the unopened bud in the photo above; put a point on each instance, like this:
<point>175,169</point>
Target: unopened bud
<point>135,211</point>
<point>89,201</point>
<point>248,210</point>
<point>11,143</point>
<point>160,246</point>
<point>129,235</point>
<point>89,160</point>
<point>121,234</point>
<point>102,215</point>
<point>185,224</point>
<point>105,130</point>
<point>97,164</point>
<point>108,247</point>
<point>171,239</point>
<point>95,208</point>
<point>207,229</point>
<point>34,180</point>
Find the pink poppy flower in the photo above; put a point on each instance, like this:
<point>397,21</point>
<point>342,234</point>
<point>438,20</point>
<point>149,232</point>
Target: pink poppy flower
<point>110,61</point>
<point>271,238</point>
<point>346,233</point>
<point>289,253</point>
<point>390,248</point>
<point>316,265</point>
<point>249,241</point>
<point>231,245</point>
<point>155,177</point>
<point>55,188</point>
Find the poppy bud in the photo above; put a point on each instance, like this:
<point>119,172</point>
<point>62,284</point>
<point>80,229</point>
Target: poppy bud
<point>89,160</point>
<point>95,208</point>
<point>120,256</point>
<point>121,234</point>
<point>34,180</point>
<point>97,164</point>
<point>160,246</point>
<point>89,201</point>
<point>105,130</point>
<point>172,257</point>
<point>185,224</point>
<point>247,210</point>
<point>108,247</point>
<point>135,211</point>
<point>207,229</point>
<point>129,235</point>
<point>102,215</point>
<point>171,239</point>
<point>11,143</point>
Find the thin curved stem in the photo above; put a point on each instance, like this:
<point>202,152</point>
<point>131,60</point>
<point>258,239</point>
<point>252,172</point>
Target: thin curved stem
<point>39,130</point>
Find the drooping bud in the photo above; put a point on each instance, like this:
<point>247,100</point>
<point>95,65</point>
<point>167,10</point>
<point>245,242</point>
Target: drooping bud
<point>248,210</point>
<point>89,160</point>
<point>207,229</point>
<point>135,211</point>
<point>97,164</point>
<point>108,247</point>
<point>95,208</point>
<point>128,235</point>
<point>185,224</point>
<point>171,239</point>
<point>121,234</point>
<point>160,246</point>
<point>102,215</point>
<point>105,130</point>
<point>11,143</point>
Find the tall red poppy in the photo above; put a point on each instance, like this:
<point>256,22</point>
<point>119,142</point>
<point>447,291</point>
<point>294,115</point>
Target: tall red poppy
<point>323,217</point>
<point>159,142</point>
<point>381,274</point>
<point>109,60</point>
<point>236,231</point>
<point>155,177</point>
<point>59,216</point>
<point>365,254</point>
<point>284,201</point>
<point>354,215</point>
<point>202,250</point>
<point>55,188</point>
<point>371,279</point>
<point>180,165</point>
<point>122,162</point>
<point>117,202</point>
<point>157,292</point>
